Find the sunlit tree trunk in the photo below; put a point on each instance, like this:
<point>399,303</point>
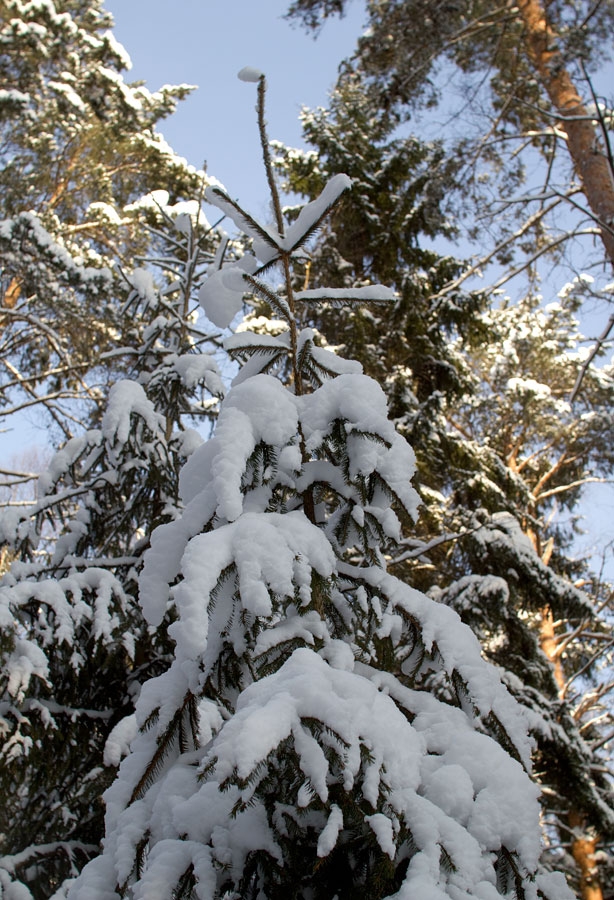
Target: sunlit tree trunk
<point>586,149</point>
<point>584,840</point>
<point>584,848</point>
<point>11,294</point>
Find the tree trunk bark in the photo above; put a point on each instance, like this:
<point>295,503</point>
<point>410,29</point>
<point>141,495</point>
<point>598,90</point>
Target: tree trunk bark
<point>584,841</point>
<point>583,850</point>
<point>11,294</point>
<point>585,146</point>
<point>594,170</point>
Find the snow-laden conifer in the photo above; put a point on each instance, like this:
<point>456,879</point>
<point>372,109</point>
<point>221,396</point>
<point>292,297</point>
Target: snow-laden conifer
<point>324,730</point>
<point>74,646</point>
<point>79,150</point>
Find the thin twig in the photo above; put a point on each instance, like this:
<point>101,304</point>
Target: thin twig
<point>266,155</point>
<point>589,359</point>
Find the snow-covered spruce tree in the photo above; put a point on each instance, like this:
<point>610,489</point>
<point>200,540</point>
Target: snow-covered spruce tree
<point>324,730</point>
<point>78,147</point>
<point>74,647</point>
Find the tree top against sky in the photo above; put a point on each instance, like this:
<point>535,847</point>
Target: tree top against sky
<point>206,44</point>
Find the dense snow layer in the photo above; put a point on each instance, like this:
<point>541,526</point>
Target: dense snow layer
<point>424,767</point>
<point>259,411</point>
<point>430,774</point>
<point>221,295</point>
<point>373,293</point>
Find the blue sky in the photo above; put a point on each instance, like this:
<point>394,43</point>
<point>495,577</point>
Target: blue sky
<point>206,42</point>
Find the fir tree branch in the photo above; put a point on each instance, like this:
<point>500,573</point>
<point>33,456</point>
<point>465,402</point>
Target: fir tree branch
<point>172,733</point>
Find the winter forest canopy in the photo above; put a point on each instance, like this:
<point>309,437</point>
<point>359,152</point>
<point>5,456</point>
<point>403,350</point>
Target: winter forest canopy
<point>293,601</point>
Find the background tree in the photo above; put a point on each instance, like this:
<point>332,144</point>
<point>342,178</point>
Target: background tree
<point>533,154</point>
<point>78,149</point>
<point>485,477</point>
<point>75,647</point>
<point>531,455</point>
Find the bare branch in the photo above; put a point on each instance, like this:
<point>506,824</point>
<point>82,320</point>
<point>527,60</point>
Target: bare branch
<point>589,359</point>
<point>417,552</point>
<point>571,486</point>
<point>25,476</point>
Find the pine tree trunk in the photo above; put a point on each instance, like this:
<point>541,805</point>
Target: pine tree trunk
<point>584,840</point>
<point>585,147</point>
<point>583,849</point>
<point>11,294</point>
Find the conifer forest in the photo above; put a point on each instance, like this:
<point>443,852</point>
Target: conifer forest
<point>295,597</point>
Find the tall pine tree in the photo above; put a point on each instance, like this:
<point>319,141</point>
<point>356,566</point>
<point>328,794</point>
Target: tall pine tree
<point>517,80</point>
<point>488,398</point>
<point>79,148</point>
